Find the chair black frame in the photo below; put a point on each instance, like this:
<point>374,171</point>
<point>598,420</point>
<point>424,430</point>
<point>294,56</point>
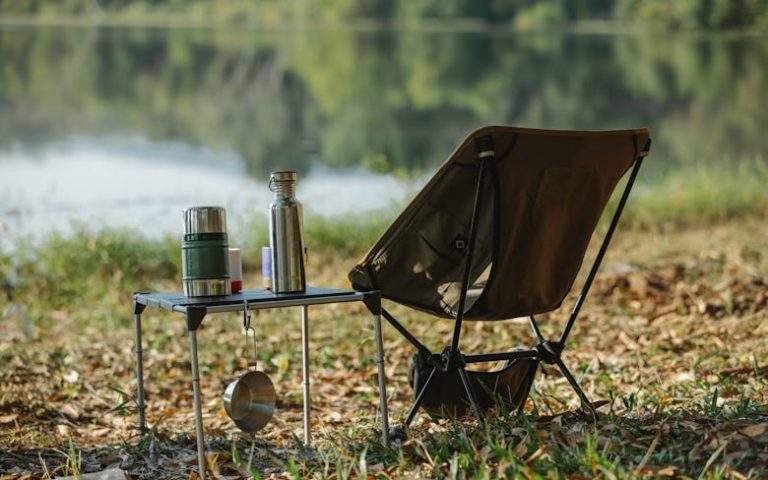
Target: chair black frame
<point>548,351</point>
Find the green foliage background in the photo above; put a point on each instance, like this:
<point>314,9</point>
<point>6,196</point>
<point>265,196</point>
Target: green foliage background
<point>677,14</point>
<point>392,102</point>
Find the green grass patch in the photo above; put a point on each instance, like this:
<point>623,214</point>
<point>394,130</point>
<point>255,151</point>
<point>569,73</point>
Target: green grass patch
<point>351,234</point>
<point>699,195</point>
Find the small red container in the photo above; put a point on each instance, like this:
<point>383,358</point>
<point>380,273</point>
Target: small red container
<point>235,270</point>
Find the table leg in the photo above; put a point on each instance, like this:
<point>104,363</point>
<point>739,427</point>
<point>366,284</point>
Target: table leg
<point>305,370</point>
<point>198,403</point>
<point>382,381</point>
<point>142,427</point>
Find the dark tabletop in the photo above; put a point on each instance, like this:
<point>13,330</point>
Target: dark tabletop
<point>169,300</point>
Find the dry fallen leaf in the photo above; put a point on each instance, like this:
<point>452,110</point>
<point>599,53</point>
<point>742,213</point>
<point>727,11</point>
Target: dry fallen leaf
<point>8,418</point>
<point>667,472</point>
<point>521,448</point>
<point>70,411</point>
<point>753,431</point>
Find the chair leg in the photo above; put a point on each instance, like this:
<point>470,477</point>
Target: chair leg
<point>471,396</point>
<point>585,403</point>
<point>419,398</point>
<point>521,408</point>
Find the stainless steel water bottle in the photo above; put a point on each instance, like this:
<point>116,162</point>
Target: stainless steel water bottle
<point>205,252</point>
<point>286,234</point>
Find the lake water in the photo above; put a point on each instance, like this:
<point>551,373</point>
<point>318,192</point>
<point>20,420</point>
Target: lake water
<point>125,127</point>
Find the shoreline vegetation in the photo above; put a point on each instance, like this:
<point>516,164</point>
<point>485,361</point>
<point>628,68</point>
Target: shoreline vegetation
<point>689,196</point>
<point>687,199</point>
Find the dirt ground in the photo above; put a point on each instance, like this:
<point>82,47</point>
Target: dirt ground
<point>672,341</point>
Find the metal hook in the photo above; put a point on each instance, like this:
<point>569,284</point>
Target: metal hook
<point>247,328</point>
<point>246,316</point>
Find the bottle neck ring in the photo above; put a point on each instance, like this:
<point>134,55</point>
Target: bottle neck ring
<point>283,188</point>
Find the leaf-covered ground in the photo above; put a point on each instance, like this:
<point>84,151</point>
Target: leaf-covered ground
<point>672,343</point>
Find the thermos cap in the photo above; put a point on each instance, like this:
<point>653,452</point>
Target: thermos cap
<point>205,220</point>
<point>283,183</point>
<point>283,176</point>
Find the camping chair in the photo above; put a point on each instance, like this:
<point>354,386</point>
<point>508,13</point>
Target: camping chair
<point>500,232</point>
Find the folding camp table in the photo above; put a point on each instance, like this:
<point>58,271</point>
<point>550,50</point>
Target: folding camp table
<point>196,308</point>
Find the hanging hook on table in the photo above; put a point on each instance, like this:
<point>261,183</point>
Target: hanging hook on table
<point>246,316</point>
<point>249,332</point>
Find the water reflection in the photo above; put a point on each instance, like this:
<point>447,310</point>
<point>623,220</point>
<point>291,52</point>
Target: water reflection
<point>388,102</point>
<point>145,186</point>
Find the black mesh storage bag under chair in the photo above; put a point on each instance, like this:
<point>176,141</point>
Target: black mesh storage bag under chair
<point>499,232</point>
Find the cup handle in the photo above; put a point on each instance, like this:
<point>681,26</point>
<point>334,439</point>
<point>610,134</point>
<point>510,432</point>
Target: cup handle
<point>250,333</point>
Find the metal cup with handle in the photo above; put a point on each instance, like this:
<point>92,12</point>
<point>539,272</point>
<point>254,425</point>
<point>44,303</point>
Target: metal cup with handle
<point>250,399</point>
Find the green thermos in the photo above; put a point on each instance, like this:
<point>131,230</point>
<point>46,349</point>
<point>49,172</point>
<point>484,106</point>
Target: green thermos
<point>205,252</point>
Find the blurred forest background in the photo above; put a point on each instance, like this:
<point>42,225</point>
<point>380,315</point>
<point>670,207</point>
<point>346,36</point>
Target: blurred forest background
<point>678,14</point>
<point>392,101</point>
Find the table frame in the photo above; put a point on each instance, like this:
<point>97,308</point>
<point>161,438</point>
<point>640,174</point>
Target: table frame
<point>195,310</point>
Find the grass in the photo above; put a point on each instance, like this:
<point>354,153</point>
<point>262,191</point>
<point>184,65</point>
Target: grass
<point>74,460</point>
<point>350,234</point>
<point>672,341</point>
<point>688,378</point>
<point>700,195</point>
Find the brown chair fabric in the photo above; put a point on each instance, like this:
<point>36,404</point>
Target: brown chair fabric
<point>506,388</point>
<point>541,200</point>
